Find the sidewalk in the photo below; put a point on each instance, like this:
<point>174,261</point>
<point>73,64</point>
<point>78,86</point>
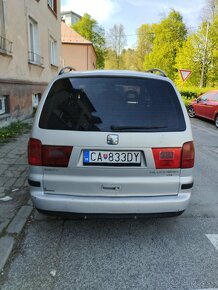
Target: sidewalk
<point>15,206</point>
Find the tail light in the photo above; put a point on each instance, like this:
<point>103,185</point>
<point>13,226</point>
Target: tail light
<point>188,155</point>
<point>167,157</point>
<point>177,157</point>
<point>46,155</point>
<point>34,152</point>
<point>56,156</point>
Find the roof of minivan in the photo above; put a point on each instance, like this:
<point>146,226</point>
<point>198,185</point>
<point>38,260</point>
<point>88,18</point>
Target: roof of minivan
<point>117,73</point>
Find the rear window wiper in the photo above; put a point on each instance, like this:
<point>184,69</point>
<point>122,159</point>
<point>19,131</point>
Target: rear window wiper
<point>123,128</point>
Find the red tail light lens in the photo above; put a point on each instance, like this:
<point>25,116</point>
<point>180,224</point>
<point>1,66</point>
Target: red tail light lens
<point>34,152</point>
<point>46,155</point>
<point>188,155</point>
<point>167,157</point>
<point>56,156</point>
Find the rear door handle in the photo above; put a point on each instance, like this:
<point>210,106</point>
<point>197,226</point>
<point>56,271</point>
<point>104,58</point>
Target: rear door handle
<point>110,187</point>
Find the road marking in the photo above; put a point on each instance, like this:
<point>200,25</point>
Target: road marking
<point>213,239</point>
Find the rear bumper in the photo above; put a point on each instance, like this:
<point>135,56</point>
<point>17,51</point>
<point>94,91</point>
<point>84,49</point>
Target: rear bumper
<point>111,205</point>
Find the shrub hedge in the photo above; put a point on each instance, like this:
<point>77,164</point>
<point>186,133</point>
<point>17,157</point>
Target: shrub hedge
<point>193,92</point>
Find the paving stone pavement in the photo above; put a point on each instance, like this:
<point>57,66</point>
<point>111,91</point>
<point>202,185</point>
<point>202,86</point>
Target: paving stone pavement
<point>15,206</point>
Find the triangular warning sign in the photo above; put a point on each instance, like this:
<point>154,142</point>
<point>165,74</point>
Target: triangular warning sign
<point>185,73</point>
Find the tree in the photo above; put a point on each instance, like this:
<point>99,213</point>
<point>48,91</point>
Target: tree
<point>110,59</point>
<point>208,40</point>
<point>90,30</point>
<point>145,38</point>
<point>129,59</point>
<point>116,41</point>
<point>200,54</point>
<point>187,59</point>
<point>210,10</point>
<point>169,36</point>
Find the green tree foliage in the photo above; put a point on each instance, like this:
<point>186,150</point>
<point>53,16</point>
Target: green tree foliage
<point>110,59</point>
<point>213,70</point>
<point>186,59</point>
<point>145,38</point>
<point>129,59</point>
<point>90,30</point>
<point>169,36</point>
<point>126,59</point>
<point>200,54</point>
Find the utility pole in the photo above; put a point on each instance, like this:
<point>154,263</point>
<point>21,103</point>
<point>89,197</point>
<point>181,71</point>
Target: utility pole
<point>204,56</point>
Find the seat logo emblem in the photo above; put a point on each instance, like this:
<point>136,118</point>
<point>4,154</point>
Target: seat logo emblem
<point>112,139</point>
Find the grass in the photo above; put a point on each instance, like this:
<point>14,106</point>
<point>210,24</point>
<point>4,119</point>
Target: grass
<point>13,130</point>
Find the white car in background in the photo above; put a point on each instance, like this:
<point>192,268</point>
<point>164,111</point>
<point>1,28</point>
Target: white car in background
<point>111,142</point>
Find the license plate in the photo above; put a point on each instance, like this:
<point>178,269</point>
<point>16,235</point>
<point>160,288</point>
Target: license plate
<point>95,157</point>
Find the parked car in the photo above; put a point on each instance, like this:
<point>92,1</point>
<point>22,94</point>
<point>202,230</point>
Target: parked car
<point>111,142</point>
<point>205,106</point>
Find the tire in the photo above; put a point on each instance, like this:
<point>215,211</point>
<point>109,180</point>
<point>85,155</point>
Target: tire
<point>216,121</point>
<point>191,112</point>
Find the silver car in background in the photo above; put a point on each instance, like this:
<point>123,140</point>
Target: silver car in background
<point>111,142</point>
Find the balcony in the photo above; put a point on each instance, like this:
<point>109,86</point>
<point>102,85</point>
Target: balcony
<point>5,46</point>
<point>35,58</point>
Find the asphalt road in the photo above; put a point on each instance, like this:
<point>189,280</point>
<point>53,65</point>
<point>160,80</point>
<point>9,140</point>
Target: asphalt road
<point>155,253</point>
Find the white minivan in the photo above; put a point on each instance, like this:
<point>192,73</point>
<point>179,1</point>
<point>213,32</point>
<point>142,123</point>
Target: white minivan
<point>111,142</point>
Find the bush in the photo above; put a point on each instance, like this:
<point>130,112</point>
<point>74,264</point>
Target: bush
<point>186,101</point>
<point>193,92</point>
<point>13,130</point>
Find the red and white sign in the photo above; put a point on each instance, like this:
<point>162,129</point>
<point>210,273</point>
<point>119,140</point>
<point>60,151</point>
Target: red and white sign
<point>185,73</point>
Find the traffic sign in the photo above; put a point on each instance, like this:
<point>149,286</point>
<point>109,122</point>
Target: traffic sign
<point>185,73</point>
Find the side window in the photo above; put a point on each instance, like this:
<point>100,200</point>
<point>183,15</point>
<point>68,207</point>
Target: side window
<point>52,4</point>
<point>4,105</point>
<point>35,100</point>
<point>2,20</point>
<point>34,50</point>
<point>215,97</point>
<point>53,51</point>
<point>204,97</point>
<point>5,44</point>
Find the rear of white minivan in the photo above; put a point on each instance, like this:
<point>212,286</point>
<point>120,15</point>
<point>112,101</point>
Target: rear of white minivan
<point>109,142</point>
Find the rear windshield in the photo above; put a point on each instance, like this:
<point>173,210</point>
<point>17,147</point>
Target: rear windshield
<point>111,104</point>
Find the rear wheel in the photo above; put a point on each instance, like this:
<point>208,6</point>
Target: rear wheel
<point>191,112</point>
<point>216,121</point>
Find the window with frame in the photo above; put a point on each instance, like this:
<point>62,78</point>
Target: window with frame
<point>215,97</point>
<point>2,20</point>
<point>204,98</point>
<point>53,51</point>
<point>35,100</point>
<point>34,54</point>
<point>4,105</point>
<point>110,104</point>
<point>52,4</point>
<point>5,44</point>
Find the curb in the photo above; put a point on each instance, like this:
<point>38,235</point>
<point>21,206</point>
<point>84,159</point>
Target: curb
<point>13,229</point>
<point>6,247</point>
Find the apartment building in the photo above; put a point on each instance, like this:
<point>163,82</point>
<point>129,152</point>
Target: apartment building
<point>70,17</point>
<point>30,39</point>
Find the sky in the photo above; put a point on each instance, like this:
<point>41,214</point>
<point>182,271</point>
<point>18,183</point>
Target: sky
<point>133,13</point>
